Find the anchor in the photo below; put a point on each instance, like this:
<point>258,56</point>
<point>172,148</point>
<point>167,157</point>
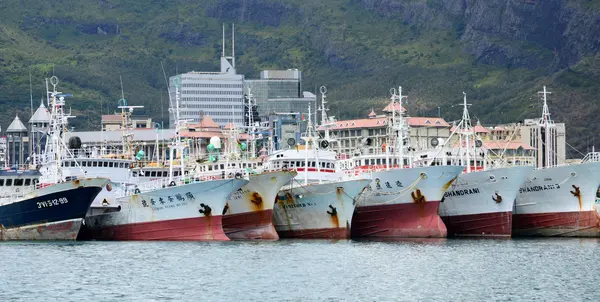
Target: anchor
<point>576,193</point>
<point>497,198</point>
<point>225,209</point>
<point>417,196</point>
<point>333,211</point>
<point>206,210</point>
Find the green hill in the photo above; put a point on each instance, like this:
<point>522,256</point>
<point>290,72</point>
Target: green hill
<point>499,52</point>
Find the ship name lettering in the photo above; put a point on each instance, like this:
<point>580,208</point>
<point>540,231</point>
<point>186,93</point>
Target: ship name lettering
<point>299,205</point>
<point>539,188</point>
<point>462,192</point>
<point>52,202</point>
<point>170,206</point>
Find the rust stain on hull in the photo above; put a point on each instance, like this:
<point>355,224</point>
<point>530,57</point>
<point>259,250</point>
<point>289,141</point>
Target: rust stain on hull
<point>335,222</point>
<point>256,201</point>
<point>338,192</point>
<point>420,200</point>
<point>449,183</point>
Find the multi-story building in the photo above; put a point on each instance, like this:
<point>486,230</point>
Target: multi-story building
<point>280,91</point>
<point>371,133</point>
<point>533,138</point>
<point>216,94</point>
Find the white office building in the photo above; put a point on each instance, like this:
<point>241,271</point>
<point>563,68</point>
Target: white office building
<point>219,95</point>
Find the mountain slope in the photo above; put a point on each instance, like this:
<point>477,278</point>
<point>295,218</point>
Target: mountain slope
<point>499,52</point>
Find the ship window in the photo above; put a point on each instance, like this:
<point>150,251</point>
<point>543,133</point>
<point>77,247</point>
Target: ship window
<point>147,173</point>
<point>222,166</point>
<point>83,164</point>
<point>1,182</point>
<point>177,173</point>
<point>111,164</point>
<point>9,182</point>
<point>106,164</point>
<point>135,174</point>
<point>95,164</point>
<point>312,164</point>
<point>28,182</point>
<point>18,182</point>
<point>153,174</point>
<point>209,167</point>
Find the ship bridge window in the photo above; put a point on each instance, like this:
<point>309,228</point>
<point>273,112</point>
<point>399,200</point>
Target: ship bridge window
<point>1,182</point>
<point>209,168</point>
<point>83,164</point>
<point>313,164</point>
<point>94,164</point>
<point>147,173</point>
<point>9,182</point>
<point>111,165</point>
<point>105,164</point>
<point>89,163</point>
<point>28,182</point>
<point>18,182</point>
<point>222,167</point>
<point>153,174</point>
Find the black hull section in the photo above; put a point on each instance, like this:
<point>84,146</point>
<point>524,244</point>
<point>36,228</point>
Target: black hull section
<point>53,207</point>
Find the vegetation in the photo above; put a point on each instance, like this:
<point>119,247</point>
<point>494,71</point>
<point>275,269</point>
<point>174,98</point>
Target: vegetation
<point>358,53</point>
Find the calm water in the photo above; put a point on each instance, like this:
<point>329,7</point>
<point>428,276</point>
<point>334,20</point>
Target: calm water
<point>474,270</point>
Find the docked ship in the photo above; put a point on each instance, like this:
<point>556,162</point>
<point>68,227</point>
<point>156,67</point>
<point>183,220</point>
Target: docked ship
<point>168,208</point>
<point>35,211</point>
<point>318,202</point>
<point>178,209</point>
<point>557,200</point>
<point>480,201</point>
<point>36,206</point>
<point>248,213</point>
<point>402,200</point>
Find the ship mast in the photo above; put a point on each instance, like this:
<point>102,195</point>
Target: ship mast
<point>55,145</point>
<point>547,124</point>
<point>397,124</point>
<point>466,131</point>
<point>176,144</point>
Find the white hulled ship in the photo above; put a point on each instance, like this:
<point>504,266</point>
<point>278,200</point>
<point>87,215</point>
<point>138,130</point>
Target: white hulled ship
<point>318,202</point>
<point>480,201</point>
<point>557,200</point>
<point>172,208</point>
<point>402,200</point>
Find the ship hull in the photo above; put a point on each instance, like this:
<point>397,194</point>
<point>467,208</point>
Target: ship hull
<point>249,210</point>
<point>559,202</point>
<point>187,212</point>
<point>317,210</point>
<point>479,204</point>
<point>55,212</point>
<point>403,203</point>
